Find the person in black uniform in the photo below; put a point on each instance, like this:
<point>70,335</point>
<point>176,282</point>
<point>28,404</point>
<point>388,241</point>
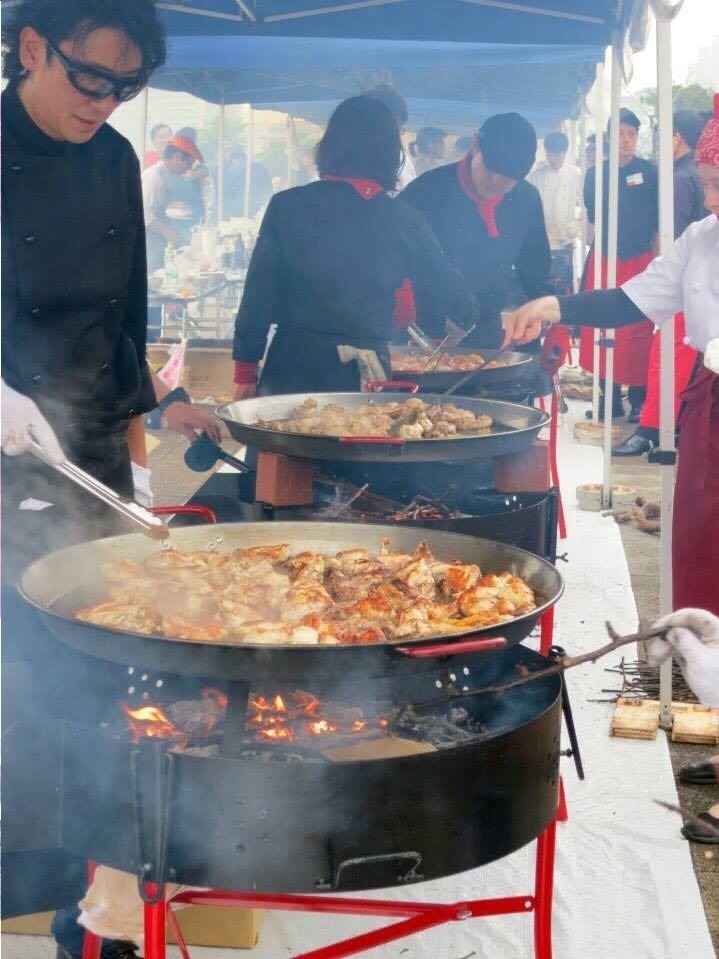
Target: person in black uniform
<point>489,222</point>
<point>637,228</point>
<point>328,260</point>
<point>73,323</point>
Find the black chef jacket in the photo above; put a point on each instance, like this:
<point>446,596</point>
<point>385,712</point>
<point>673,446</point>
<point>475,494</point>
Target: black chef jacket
<point>688,195</point>
<point>491,265</point>
<point>325,269</point>
<point>638,206</point>
<point>73,317</point>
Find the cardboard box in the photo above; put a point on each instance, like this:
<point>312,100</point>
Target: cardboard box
<point>200,925</point>
<point>208,371</point>
<point>523,472</point>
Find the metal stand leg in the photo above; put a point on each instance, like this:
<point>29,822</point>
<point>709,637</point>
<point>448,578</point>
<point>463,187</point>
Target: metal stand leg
<point>155,924</point>
<point>544,887</point>
<point>553,465</point>
<point>546,631</point>
<point>177,932</point>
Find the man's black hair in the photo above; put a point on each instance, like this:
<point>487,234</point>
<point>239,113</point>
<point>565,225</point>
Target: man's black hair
<point>556,142</point>
<point>361,141</point>
<point>58,20</point>
<point>157,127</point>
<point>394,101</point>
<point>689,126</point>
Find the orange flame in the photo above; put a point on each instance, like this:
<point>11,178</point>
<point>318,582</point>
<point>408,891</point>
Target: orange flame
<point>151,722</point>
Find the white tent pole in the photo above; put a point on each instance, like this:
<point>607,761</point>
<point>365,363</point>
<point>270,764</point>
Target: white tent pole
<point>221,165</point>
<point>583,167</point>
<point>290,148</point>
<point>143,123</point>
<point>612,236</point>
<point>666,392</point>
<point>598,220</point>
<point>250,160</point>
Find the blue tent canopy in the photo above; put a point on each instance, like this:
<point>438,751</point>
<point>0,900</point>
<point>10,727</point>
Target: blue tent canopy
<point>488,21</point>
<point>546,82</point>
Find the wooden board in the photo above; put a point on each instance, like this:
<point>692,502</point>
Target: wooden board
<point>635,719</point>
<point>695,724</point>
<point>366,749</point>
<point>639,719</point>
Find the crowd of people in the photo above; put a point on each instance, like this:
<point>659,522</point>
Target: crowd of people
<point>340,266</point>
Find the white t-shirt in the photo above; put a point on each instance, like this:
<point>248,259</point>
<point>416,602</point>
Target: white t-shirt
<point>686,278</point>
<point>561,193</point>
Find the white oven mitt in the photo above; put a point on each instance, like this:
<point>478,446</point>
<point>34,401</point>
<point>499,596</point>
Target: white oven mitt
<point>22,421</point>
<point>711,355</point>
<point>693,638</point>
<point>141,477</point>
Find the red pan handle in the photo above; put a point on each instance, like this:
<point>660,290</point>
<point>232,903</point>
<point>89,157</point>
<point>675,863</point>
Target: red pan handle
<point>376,385</point>
<point>204,511</point>
<point>375,440</point>
<point>474,644</point>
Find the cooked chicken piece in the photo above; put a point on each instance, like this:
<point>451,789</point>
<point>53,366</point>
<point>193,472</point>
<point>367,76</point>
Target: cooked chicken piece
<point>136,591</point>
<point>306,568</point>
<point>478,599</point>
<point>129,617</point>
<point>328,632</point>
<point>346,588</point>
<point>236,614</point>
<point>301,600</point>
<point>252,555</point>
<point>411,431</point>
<point>418,576</point>
<point>169,560</point>
<point>187,604</point>
<point>121,571</point>
<point>379,604</point>
<point>454,577</point>
<point>357,635</point>
<point>410,621</point>
<point>262,632</point>
<point>210,630</point>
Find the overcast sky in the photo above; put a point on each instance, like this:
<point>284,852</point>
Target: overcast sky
<point>696,24</point>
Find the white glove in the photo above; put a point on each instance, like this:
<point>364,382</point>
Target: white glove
<point>22,421</point>
<point>141,481</point>
<point>693,637</point>
<point>711,355</point>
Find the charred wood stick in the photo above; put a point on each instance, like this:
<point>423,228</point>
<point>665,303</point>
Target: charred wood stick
<point>696,820</point>
<point>527,676</point>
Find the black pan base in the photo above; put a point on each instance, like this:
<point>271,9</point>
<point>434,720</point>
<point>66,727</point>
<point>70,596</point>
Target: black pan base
<point>304,827</point>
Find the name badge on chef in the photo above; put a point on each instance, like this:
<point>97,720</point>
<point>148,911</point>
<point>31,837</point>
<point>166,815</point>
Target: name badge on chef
<point>635,179</point>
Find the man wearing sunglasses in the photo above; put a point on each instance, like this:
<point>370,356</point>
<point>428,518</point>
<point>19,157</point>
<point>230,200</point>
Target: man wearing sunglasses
<point>74,316</point>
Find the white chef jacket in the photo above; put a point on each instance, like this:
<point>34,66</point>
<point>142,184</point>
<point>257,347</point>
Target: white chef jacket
<point>686,278</point>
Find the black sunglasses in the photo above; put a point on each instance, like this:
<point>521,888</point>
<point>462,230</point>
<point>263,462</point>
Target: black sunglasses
<point>96,83</point>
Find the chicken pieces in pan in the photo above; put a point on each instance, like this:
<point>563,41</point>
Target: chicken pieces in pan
<point>414,419</point>
<point>266,595</point>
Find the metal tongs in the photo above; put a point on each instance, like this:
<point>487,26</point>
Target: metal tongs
<point>145,520</point>
<point>455,335</point>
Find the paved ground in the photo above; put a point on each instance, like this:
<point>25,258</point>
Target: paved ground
<point>172,481</point>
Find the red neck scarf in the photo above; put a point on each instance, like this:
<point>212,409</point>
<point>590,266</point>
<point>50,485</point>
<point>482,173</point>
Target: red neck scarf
<point>485,208</point>
<point>367,189</point>
<point>707,149</point>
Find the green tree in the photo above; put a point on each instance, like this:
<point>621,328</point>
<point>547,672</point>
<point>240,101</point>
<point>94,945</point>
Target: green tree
<point>684,97</point>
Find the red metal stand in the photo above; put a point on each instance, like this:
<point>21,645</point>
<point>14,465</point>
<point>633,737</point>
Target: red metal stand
<point>546,631</point>
<point>413,917</point>
<point>553,464</point>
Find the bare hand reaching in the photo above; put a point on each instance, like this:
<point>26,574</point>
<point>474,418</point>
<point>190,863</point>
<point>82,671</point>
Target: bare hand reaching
<point>526,323</point>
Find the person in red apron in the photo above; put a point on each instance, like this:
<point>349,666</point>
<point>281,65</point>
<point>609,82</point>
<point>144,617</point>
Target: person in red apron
<point>685,278</point>
<point>637,228</point>
<point>688,207</point>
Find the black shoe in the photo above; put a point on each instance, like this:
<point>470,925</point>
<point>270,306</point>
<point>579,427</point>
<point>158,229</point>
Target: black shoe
<point>634,415</point>
<point>617,412</point>
<point>111,949</point>
<point>705,830</point>
<point>701,773</point>
<point>634,445</point>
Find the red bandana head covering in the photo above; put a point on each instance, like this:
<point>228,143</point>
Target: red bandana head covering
<point>367,189</point>
<point>707,149</point>
<point>485,208</point>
